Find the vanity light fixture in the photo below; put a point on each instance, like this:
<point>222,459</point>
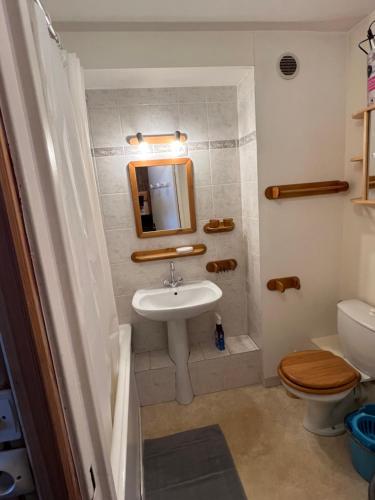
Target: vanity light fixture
<point>177,147</point>
<point>142,144</point>
<point>139,138</point>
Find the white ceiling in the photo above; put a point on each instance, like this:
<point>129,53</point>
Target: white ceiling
<point>344,13</point>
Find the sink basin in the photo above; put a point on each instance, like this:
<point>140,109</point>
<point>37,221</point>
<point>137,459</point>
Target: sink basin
<point>182,302</point>
<point>175,306</point>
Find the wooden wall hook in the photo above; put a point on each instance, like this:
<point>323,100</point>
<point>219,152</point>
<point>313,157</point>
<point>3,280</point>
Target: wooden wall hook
<point>219,266</point>
<point>281,284</point>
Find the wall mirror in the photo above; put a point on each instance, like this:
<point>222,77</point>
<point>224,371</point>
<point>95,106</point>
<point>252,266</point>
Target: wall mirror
<point>163,196</point>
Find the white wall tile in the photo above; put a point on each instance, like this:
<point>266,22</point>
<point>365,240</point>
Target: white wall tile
<point>193,121</point>
<point>203,202</point>
<point>240,344</point>
<point>156,386</point>
<point>221,94</point>
<point>210,351</point>
<point>150,119</point>
<point>201,167</point>
<point>225,165</point>
<point>101,98</point>
<point>112,174</point>
<point>248,162</point>
<point>146,96</point>
<point>141,361</point>
<point>117,211</point>
<point>233,307</point>
<point>124,308</point>
<point>160,359</point>
<point>225,373</point>
<point>227,200</point>
<point>106,127</point>
<point>242,369</point>
<point>192,94</point>
<point>118,245</point>
<point>196,353</point>
<point>222,121</point>
<point>149,335</point>
<point>208,375</point>
<point>202,327</point>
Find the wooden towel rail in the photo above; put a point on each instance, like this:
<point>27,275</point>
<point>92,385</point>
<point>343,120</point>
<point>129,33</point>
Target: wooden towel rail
<point>306,189</point>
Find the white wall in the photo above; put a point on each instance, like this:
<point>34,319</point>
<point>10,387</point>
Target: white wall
<point>158,49</point>
<point>301,137</point>
<point>300,132</point>
<point>358,258</point>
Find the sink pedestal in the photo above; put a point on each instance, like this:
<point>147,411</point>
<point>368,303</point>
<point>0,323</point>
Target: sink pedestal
<point>178,346</point>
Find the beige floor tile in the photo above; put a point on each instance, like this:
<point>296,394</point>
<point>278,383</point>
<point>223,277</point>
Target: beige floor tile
<point>275,457</point>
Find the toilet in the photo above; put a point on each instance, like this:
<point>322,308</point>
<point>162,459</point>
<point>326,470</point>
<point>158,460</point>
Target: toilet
<point>329,383</point>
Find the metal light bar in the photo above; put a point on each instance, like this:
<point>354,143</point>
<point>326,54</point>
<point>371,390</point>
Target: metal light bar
<point>137,139</point>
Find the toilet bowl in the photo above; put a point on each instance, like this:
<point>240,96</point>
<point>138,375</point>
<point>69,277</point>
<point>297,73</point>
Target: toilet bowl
<point>330,384</point>
<point>326,382</point>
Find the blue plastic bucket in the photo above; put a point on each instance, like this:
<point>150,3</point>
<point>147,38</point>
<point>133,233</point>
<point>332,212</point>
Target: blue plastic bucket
<point>363,459</point>
<point>361,441</point>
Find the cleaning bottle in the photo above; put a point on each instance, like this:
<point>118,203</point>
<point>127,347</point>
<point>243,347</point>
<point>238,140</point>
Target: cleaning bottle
<point>219,334</point>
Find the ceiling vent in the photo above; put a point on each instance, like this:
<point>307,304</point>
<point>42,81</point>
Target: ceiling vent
<point>288,66</point>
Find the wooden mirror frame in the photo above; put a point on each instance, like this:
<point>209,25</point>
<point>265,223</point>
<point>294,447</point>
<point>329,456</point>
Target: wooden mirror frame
<point>133,165</point>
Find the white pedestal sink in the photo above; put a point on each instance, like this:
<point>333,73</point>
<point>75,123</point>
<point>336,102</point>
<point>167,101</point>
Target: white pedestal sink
<point>175,306</point>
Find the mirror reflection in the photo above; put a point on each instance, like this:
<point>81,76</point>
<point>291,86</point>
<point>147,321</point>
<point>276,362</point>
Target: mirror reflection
<point>371,157</point>
<point>163,197</point>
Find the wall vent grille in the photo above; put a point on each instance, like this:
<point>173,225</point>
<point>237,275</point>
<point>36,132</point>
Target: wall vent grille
<point>288,66</point>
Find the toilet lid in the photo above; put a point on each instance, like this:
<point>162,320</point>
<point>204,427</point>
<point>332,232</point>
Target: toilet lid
<point>318,370</point>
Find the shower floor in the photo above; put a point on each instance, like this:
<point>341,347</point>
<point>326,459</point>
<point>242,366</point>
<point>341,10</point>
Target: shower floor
<point>275,457</point>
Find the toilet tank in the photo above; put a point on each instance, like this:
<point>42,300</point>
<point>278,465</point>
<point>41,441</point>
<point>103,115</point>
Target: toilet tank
<point>356,329</point>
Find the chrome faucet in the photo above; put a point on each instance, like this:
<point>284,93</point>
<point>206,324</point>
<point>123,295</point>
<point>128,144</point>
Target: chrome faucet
<point>173,281</point>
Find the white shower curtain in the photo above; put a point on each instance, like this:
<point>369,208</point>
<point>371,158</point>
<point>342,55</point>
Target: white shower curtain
<point>77,203</point>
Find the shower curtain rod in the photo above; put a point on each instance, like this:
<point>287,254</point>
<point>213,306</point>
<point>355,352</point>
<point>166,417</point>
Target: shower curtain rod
<point>51,29</point>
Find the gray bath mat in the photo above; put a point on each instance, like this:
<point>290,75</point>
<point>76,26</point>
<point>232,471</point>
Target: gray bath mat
<point>192,465</point>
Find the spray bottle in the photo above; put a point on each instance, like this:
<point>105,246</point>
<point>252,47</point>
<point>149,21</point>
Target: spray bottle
<point>219,334</point>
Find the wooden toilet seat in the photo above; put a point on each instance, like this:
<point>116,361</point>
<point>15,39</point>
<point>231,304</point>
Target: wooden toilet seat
<point>317,372</point>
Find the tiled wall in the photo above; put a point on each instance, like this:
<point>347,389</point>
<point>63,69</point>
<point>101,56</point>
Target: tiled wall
<point>209,116</point>
<point>249,196</point>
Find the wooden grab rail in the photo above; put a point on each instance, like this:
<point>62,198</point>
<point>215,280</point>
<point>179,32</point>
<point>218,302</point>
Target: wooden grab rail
<point>306,189</point>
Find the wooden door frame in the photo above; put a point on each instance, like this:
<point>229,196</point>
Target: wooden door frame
<point>27,349</point>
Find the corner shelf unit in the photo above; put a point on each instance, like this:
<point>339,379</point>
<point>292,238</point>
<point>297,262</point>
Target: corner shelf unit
<point>368,182</point>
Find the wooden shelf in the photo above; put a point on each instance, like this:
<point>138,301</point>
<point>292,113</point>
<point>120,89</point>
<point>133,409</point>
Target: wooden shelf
<point>306,189</point>
<point>167,253</point>
<point>357,158</point>
<point>360,114</point>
